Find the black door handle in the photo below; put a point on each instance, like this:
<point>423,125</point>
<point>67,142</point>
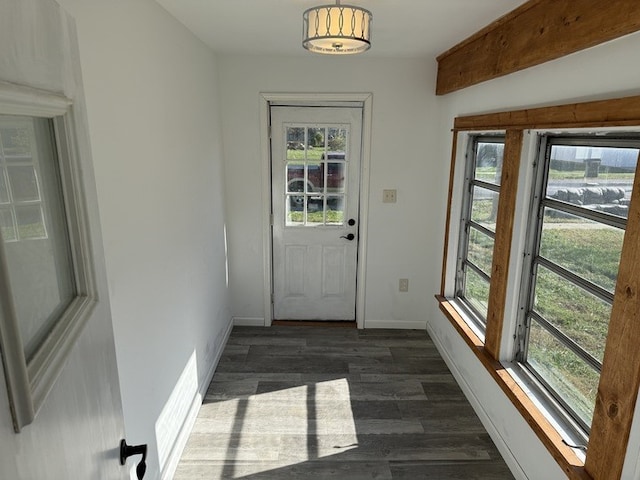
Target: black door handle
<point>129,450</point>
<point>349,237</point>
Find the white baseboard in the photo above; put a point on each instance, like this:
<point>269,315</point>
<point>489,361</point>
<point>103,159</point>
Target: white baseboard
<point>173,458</point>
<point>488,424</point>
<point>248,321</point>
<point>216,360</point>
<point>181,441</point>
<point>397,324</point>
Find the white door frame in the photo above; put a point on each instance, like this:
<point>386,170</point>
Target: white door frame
<point>314,99</point>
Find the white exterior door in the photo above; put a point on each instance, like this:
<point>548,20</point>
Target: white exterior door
<point>53,292</point>
<point>315,167</point>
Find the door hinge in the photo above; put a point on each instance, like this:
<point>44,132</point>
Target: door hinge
<point>272,299</point>
<point>271,219</point>
<point>269,131</point>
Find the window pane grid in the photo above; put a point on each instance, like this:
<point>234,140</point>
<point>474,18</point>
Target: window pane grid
<point>576,312</point>
<point>480,251</point>
<point>583,283</point>
<point>482,189</point>
<point>594,215</point>
<point>22,217</point>
<point>475,291</point>
<point>4,186</point>
<point>316,175</point>
<point>566,340</point>
<point>575,245</point>
<point>589,250</point>
<point>40,273</point>
<point>483,229</point>
<point>576,397</point>
<point>489,186</point>
<point>488,156</point>
<point>477,270</point>
<point>483,208</point>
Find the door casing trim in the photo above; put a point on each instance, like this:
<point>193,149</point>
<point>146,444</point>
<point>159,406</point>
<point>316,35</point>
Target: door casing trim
<point>315,99</point>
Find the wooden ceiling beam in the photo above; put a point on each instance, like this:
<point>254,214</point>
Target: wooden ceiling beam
<point>536,32</point>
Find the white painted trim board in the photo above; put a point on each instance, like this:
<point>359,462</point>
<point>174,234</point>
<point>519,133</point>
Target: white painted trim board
<point>250,322</point>
<point>396,324</point>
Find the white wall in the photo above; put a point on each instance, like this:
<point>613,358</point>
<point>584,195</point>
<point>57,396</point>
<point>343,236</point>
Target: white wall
<point>403,137</point>
<point>606,71</point>
<point>155,132</point>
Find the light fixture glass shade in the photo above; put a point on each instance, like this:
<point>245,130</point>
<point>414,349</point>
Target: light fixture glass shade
<point>337,29</point>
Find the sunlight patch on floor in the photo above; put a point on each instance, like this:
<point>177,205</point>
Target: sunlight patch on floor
<point>271,430</point>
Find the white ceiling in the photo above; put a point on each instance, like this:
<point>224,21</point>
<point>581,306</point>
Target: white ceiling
<point>408,28</point>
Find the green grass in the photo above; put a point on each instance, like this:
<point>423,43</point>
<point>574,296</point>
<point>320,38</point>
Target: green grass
<point>579,174</point>
<point>484,211</point>
<point>32,230</point>
<point>477,292</point>
<point>313,153</point>
<point>480,250</point>
<point>588,250</point>
<point>333,217</point>
<point>578,314</point>
<point>591,253</point>
<point>576,382</point>
<point>8,234</point>
<point>488,174</point>
<point>27,231</point>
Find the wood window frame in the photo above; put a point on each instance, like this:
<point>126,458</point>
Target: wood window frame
<point>620,377</point>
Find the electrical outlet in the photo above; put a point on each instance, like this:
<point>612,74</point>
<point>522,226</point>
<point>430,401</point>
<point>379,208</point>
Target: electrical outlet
<point>404,285</point>
<point>388,196</point>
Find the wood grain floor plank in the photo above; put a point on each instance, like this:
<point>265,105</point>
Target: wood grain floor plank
<point>295,402</point>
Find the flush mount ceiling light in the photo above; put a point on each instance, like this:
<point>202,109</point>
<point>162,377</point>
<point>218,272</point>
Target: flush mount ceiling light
<point>337,29</point>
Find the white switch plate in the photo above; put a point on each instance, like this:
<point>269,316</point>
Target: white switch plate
<point>404,285</point>
<point>388,196</point>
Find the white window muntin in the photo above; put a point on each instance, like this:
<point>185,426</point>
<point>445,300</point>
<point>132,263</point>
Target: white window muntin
<point>301,196</point>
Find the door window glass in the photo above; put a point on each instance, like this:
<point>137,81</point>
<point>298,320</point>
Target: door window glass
<point>316,160</point>
<point>34,228</point>
<point>335,210</point>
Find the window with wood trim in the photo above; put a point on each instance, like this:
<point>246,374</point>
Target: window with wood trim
<point>575,235</point>
<point>563,316</point>
<point>478,226</point>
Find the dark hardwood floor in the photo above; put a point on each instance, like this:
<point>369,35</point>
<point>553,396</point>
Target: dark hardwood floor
<point>295,402</point>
